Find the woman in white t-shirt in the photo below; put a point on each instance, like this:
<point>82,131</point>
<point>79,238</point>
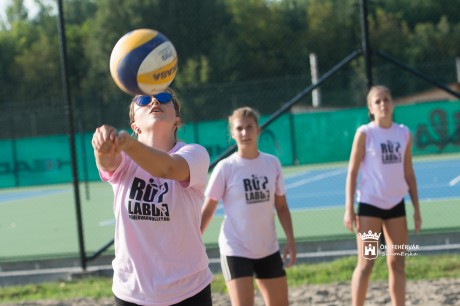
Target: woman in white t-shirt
<point>158,186</point>
<point>251,186</point>
<point>382,150</point>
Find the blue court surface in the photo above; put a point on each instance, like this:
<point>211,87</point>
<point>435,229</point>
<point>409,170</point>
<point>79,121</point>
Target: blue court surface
<point>320,188</point>
<point>436,180</point>
<point>30,194</point>
<point>325,188</point>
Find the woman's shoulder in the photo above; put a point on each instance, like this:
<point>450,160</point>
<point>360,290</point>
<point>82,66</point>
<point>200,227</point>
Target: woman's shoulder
<point>227,161</point>
<point>182,146</point>
<point>402,129</point>
<point>366,127</point>
<point>191,152</point>
<point>400,126</point>
<point>270,158</point>
<point>268,155</point>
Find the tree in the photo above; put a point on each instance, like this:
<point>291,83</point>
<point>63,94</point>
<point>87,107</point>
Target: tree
<point>16,12</point>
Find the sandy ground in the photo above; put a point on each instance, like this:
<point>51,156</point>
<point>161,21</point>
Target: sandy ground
<point>424,293</point>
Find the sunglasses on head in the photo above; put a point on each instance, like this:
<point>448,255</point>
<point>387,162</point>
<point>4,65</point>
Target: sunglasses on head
<point>162,97</point>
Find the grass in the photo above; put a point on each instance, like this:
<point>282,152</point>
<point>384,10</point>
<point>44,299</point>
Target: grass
<point>417,267</point>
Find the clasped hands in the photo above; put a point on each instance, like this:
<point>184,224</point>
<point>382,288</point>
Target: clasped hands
<point>107,140</point>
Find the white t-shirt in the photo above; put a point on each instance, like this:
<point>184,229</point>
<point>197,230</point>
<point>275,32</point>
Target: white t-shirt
<point>247,188</point>
<point>382,181</point>
<point>160,258</point>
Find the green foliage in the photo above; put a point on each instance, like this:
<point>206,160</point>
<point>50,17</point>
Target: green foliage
<point>16,11</point>
<point>231,52</point>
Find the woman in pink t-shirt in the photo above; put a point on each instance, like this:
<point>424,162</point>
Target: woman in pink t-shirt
<point>382,150</point>
<point>251,186</point>
<point>158,186</point>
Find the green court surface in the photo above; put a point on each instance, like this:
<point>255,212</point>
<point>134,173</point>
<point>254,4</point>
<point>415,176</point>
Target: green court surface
<point>327,223</point>
<point>40,222</point>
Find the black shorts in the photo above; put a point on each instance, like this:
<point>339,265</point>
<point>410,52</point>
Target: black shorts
<point>368,210</point>
<point>202,298</point>
<point>266,267</point>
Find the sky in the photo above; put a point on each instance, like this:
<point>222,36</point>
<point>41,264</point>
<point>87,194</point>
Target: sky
<point>30,4</point>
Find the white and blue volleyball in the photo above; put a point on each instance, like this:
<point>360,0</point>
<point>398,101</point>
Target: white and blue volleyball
<point>143,62</point>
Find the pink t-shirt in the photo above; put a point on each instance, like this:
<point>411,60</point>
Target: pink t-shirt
<point>247,188</point>
<point>383,183</point>
<point>160,258</point>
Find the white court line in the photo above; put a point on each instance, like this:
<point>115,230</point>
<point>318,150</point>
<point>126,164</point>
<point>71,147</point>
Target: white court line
<point>454,181</point>
<point>107,222</point>
<point>316,178</point>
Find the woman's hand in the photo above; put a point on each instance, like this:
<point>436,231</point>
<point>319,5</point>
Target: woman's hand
<point>417,221</point>
<point>104,139</point>
<point>349,220</point>
<point>290,251</point>
<point>105,148</point>
<point>124,141</point>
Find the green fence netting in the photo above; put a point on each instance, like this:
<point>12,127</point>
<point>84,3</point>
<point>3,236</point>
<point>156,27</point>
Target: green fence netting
<point>297,139</point>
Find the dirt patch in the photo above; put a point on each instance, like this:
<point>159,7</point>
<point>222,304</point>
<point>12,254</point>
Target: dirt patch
<point>423,292</point>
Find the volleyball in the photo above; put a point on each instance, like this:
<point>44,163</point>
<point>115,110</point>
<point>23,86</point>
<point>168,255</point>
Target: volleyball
<point>143,62</point>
